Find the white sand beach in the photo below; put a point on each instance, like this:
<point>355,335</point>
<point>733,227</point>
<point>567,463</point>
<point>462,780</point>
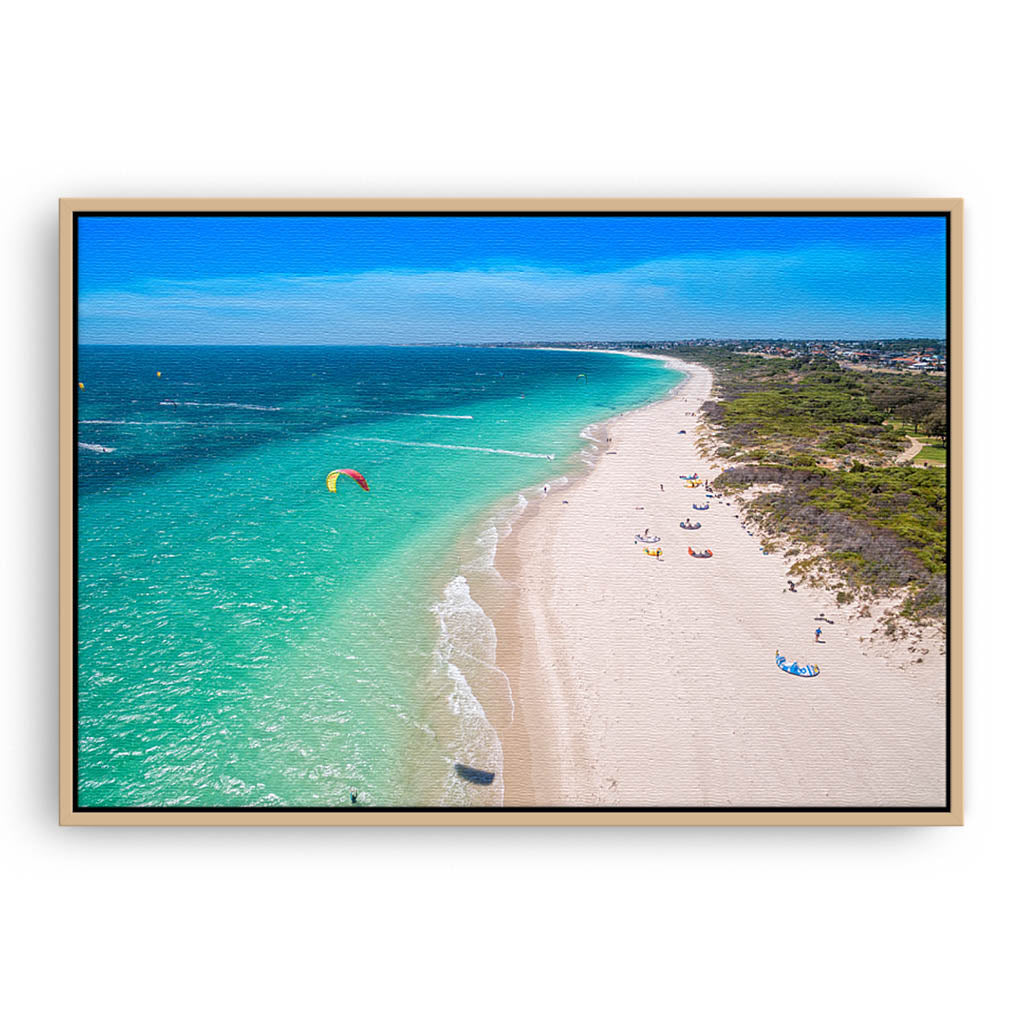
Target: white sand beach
<point>640,682</point>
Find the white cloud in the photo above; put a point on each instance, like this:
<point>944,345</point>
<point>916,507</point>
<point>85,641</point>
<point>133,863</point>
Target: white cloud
<point>821,291</point>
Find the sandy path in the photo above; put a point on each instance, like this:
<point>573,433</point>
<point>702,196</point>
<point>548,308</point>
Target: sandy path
<point>639,682</point>
<point>916,447</point>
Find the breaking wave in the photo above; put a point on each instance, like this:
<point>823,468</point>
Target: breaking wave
<point>425,415</point>
<point>225,405</point>
<point>466,649</point>
<point>453,447</point>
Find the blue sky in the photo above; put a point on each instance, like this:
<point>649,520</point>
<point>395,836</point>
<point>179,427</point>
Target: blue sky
<point>438,280</point>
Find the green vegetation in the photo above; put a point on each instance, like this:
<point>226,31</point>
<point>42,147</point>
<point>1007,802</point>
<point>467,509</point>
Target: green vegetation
<point>933,449</point>
<point>932,453</point>
<point>808,410</point>
<point>909,502</point>
<point>829,436</point>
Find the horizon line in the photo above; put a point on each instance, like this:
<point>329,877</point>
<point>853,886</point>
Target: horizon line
<point>502,344</point>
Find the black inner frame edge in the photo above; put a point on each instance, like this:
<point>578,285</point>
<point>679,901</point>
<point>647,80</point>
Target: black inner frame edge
<point>77,808</point>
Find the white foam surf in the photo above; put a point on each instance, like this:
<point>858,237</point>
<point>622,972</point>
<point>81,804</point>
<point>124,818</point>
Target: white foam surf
<point>425,415</point>
<point>173,423</point>
<point>496,529</point>
<point>224,405</point>
<point>467,649</point>
<point>94,447</point>
<point>453,447</point>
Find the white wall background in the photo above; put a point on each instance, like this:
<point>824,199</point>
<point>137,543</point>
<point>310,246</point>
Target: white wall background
<point>778,99</point>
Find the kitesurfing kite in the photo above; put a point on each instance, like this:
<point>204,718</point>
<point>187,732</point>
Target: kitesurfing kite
<point>807,671</point>
<point>332,479</point>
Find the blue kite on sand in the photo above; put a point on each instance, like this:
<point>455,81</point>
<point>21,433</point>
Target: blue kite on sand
<point>702,508</point>
<point>794,669</point>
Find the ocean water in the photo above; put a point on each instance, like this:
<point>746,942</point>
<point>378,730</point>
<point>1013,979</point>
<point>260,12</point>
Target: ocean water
<point>245,637</point>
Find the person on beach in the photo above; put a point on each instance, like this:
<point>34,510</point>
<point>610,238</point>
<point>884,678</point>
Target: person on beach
<point>662,486</point>
<point>792,586</point>
<point>817,635</point>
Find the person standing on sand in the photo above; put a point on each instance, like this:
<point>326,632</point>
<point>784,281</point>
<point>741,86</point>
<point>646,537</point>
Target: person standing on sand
<point>662,486</point>
<point>817,635</point>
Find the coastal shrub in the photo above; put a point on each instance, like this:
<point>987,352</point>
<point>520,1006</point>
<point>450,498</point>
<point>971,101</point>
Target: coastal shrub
<point>742,477</point>
<point>713,412</point>
<point>802,567</point>
<point>877,544</point>
<point>881,527</point>
<point>802,410</point>
<point>851,557</point>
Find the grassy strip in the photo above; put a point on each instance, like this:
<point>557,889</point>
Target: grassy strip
<point>932,453</point>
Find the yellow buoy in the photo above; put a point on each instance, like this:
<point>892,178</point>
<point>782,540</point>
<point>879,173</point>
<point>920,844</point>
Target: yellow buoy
<point>81,385</point>
<point>158,373</point>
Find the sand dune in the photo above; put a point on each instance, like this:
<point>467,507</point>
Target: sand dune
<point>653,683</point>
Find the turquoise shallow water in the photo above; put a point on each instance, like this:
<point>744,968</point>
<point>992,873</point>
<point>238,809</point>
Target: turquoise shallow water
<point>247,638</point>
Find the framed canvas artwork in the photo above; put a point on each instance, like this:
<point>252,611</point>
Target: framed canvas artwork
<point>511,511</point>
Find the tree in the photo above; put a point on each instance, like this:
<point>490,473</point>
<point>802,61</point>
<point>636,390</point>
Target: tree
<point>935,425</point>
